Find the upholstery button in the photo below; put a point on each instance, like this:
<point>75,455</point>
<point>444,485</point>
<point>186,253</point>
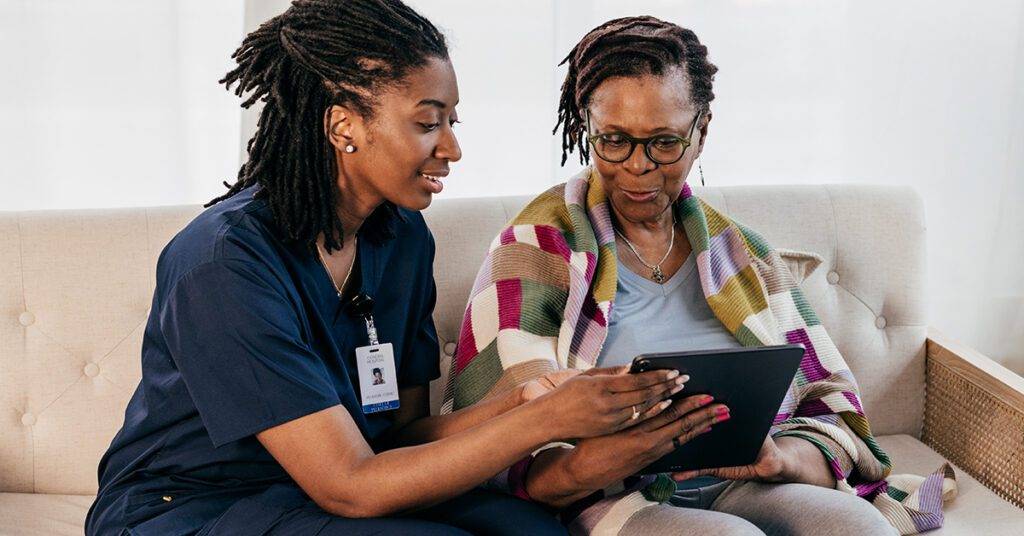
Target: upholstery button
<point>28,419</point>
<point>880,322</point>
<point>92,370</point>
<point>833,277</point>
<point>449,348</point>
<point>27,319</point>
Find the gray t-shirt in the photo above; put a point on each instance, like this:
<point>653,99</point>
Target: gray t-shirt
<point>648,317</point>
<point>674,316</point>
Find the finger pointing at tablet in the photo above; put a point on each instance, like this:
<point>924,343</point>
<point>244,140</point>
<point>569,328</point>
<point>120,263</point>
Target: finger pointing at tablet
<point>603,401</point>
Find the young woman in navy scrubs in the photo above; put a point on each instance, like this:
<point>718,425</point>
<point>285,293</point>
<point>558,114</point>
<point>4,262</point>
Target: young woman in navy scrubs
<point>249,418</point>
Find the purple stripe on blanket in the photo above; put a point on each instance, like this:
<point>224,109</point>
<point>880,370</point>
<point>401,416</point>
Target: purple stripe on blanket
<point>854,402</point>
<point>508,235</point>
<point>830,418</point>
<point>929,515</point>
<point>868,490</point>
<point>510,303</point>
<point>811,408</point>
<point>686,192</point>
<point>779,417</point>
<point>591,311</point>
<point>551,240</point>
<point>576,192</point>
<point>589,333</point>
<point>602,221</point>
<point>845,375</point>
<point>583,322</point>
<point>591,267</point>
<point>483,276</point>
<point>837,470</point>
<point>809,365</point>
<point>725,257</point>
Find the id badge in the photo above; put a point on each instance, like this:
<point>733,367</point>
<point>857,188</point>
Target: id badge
<point>378,383</point>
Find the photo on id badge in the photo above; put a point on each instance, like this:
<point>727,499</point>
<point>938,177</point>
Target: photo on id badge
<point>378,385</point>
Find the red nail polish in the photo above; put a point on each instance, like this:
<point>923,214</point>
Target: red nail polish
<point>722,410</point>
<point>706,400</point>
<point>723,417</point>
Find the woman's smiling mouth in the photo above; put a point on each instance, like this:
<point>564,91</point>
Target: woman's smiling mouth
<point>640,197</point>
<point>433,179</point>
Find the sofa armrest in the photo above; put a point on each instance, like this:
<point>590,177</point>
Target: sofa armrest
<point>974,415</point>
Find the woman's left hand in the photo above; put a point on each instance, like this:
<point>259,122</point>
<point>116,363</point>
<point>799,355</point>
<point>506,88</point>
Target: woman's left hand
<point>770,466</point>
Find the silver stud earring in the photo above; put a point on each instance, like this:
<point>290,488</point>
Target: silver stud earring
<point>350,148</point>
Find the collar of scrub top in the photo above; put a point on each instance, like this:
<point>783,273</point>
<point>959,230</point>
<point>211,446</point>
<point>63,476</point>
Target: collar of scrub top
<point>380,225</point>
<point>372,257</point>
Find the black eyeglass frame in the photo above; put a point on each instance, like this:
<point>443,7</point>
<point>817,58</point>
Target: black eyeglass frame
<point>633,142</point>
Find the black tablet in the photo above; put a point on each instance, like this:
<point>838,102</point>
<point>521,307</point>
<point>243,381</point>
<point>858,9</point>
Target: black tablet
<point>751,381</point>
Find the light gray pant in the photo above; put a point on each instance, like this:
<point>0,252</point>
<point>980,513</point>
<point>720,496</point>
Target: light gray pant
<point>754,508</point>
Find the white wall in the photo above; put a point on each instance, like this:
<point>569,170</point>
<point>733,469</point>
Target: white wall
<point>116,103</point>
<point>922,93</point>
<point>925,93</point>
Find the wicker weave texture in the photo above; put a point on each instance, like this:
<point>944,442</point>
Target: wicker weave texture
<point>976,431</point>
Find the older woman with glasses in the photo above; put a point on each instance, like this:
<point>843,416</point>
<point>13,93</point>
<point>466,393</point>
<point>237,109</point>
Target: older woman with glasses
<point>628,232</point>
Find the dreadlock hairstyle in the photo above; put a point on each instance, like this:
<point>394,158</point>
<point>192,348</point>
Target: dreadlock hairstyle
<point>317,54</point>
<point>631,46</point>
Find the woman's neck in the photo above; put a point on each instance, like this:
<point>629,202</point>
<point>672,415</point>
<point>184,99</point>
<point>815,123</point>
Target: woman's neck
<point>653,242</point>
<point>355,204</point>
<point>654,230</point>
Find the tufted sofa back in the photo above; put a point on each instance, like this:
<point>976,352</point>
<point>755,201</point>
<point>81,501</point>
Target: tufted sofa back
<point>75,288</point>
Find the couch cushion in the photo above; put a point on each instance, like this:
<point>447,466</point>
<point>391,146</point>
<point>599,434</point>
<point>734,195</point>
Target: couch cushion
<point>75,289</point>
<point>975,510</point>
<point>31,514</point>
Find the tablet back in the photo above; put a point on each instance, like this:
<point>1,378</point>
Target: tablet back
<point>750,381</point>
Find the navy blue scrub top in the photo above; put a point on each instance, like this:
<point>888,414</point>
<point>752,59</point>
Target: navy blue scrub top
<point>246,332</point>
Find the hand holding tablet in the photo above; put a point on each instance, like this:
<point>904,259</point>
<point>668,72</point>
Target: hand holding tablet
<point>750,382</point>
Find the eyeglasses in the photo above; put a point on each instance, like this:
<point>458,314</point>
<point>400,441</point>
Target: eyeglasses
<point>664,149</point>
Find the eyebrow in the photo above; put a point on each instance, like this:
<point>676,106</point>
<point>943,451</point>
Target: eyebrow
<point>658,130</point>
<point>433,102</point>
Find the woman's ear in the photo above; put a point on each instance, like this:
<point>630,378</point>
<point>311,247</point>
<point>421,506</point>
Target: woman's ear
<point>339,123</point>
<point>703,128</point>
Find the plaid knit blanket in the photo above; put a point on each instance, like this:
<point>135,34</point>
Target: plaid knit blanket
<point>541,302</point>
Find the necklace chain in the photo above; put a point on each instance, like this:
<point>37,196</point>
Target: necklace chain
<point>351,264</point>
<point>656,273</point>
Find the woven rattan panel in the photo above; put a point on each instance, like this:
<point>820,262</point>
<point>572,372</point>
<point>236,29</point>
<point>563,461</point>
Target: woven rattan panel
<point>975,430</point>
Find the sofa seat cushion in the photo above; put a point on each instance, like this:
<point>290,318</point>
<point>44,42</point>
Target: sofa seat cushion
<point>975,510</point>
<point>32,514</point>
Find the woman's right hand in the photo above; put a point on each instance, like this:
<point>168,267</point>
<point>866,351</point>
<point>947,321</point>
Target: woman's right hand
<point>597,462</point>
<point>602,401</point>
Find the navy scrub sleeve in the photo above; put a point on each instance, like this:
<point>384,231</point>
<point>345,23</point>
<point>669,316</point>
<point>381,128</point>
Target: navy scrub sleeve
<point>236,339</point>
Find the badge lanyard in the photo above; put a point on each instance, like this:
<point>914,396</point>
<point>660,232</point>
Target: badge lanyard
<point>361,306</point>
<point>378,381</point>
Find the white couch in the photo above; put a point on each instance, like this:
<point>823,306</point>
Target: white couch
<point>75,288</point>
